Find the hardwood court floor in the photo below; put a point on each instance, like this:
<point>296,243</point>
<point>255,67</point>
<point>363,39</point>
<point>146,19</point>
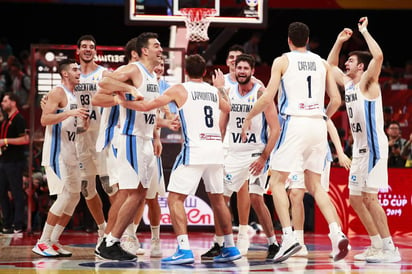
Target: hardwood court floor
<point>16,257</point>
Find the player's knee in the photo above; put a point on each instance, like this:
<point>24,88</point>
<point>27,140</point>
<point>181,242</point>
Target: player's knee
<point>88,190</point>
<point>110,190</point>
<point>74,199</point>
<point>355,198</point>
<point>65,200</point>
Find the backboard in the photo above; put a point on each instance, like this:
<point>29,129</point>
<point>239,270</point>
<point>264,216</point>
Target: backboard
<point>235,13</point>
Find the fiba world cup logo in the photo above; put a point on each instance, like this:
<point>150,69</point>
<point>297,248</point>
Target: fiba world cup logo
<point>251,11</point>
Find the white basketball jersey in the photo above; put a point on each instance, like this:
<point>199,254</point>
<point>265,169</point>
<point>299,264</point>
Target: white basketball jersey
<point>199,117</point>
<point>229,82</point>
<point>302,88</point>
<point>59,139</point>
<point>84,93</point>
<point>108,122</point>
<point>240,107</point>
<point>136,122</point>
<point>366,123</point>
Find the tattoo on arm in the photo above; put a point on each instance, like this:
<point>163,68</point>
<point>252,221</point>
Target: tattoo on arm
<point>222,92</point>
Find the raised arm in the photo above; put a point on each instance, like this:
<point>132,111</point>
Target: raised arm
<point>371,74</point>
<point>333,57</point>
<point>332,91</point>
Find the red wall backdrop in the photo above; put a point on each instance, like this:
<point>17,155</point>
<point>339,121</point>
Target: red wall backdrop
<point>397,203</point>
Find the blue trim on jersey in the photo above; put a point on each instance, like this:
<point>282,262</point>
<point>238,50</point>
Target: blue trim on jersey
<point>131,151</point>
<point>111,124</point>
<point>185,147</point>
<point>283,100</point>
<point>159,169</point>
<point>264,133</point>
<point>151,75</point>
<point>370,119</point>
<point>284,122</point>
<point>114,149</point>
<point>329,155</point>
<point>178,160</point>
<point>130,118</point>
<point>99,67</point>
<point>56,147</point>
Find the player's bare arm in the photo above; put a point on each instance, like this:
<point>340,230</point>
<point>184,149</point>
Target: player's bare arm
<point>369,82</point>
<point>278,67</point>
<point>57,99</point>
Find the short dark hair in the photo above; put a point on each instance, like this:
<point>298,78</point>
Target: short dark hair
<point>86,37</point>
<point>236,47</point>
<point>246,58</point>
<point>298,33</point>
<point>12,96</point>
<point>195,66</point>
<point>364,57</point>
<point>129,47</point>
<point>65,63</point>
<point>143,40</point>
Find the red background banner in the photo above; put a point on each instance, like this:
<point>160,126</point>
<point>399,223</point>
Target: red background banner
<point>396,202</point>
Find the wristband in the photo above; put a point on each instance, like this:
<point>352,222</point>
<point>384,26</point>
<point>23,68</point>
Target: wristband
<point>363,30</point>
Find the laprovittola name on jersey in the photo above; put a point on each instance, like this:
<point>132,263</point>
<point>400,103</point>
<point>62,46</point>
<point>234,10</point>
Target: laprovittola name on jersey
<point>205,96</point>
<point>307,66</point>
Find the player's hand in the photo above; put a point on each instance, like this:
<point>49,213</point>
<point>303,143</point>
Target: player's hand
<point>345,34</point>
<point>43,101</point>
<point>157,147</point>
<point>344,161</point>
<point>363,24</point>
<point>137,95</point>
<point>256,167</point>
<point>174,124</point>
<point>218,78</point>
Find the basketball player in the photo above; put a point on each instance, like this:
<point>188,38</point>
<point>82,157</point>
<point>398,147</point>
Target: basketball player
<point>240,207</point>
<point>60,160</point>
<point>302,77</point>
<point>368,172</point>
<point>92,163</point>
<point>136,142</point>
<point>246,164</point>
<point>201,156</point>
<point>296,187</point>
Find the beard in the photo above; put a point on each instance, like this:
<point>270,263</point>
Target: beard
<point>245,81</point>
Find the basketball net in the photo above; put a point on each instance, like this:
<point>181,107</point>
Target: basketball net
<point>197,23</point>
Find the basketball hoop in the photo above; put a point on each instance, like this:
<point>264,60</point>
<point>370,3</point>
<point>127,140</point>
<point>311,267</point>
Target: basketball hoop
<point>197,23</point>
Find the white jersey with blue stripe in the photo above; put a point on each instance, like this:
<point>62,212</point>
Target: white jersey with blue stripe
<point>59,139</point>
<point>302,87</point>
<point>229,83</point>
<point>136,122</point>
<point>84,92</point>
<point>366,123</point>
<point>199,117</point>
<point>108,123</point>
<point>240,107</point>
